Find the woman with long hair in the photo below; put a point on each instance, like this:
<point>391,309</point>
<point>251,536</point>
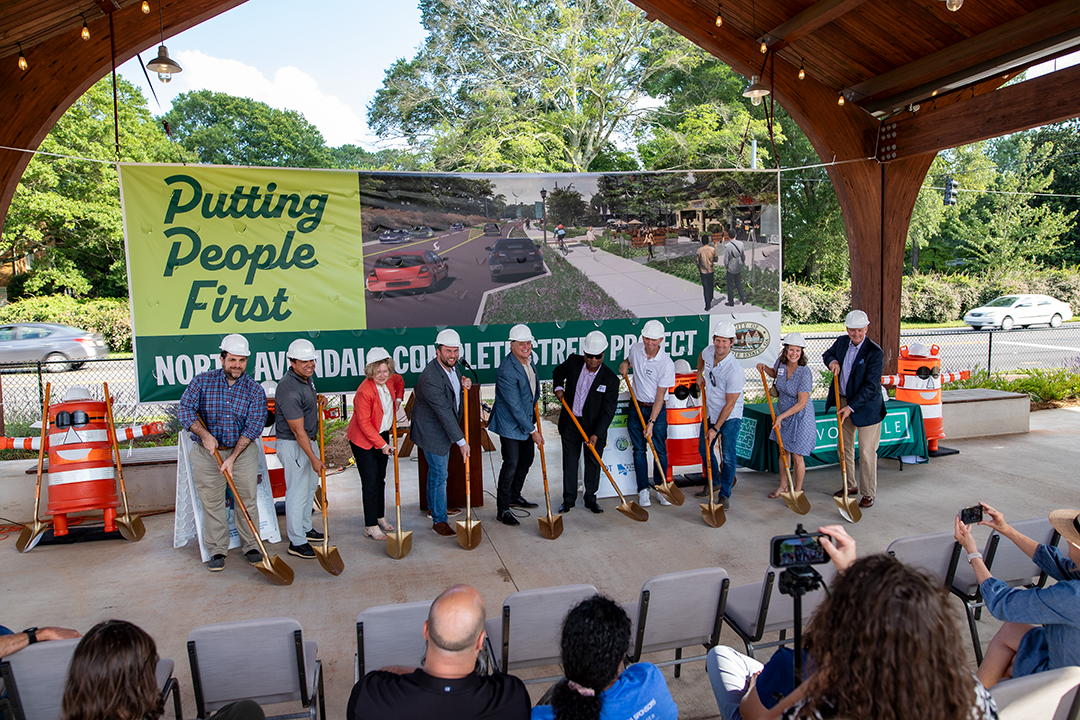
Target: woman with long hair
<point>113,676</point>
<point>374,410</point>
<point>795,419</point>
<point>884,644</point>
<point>595,639</point>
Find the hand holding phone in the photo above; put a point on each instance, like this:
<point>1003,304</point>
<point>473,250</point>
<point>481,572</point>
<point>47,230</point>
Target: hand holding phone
<point>791,550</point>
<point>971,515</point>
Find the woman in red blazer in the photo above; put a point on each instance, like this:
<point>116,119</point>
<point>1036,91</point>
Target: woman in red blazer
<point>374,409</point>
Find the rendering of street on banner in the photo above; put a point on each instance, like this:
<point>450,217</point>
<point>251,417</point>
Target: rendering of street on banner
<point>357,260</point>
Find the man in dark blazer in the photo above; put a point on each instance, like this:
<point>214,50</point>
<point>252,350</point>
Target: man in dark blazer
<point>436,421</point>
<point>513,419</point>
<point>591,389</point>
<point>859,362</point>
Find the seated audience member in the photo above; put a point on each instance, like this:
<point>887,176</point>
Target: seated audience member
<point>595,639</point>
<point>14,641</point>
<point>448,685</point>
<point>112,677</point>
<point>1042,625</point>
<point>884,645</point>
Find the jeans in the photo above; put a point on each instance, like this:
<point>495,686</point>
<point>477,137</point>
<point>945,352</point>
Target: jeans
<point>438,469</point>
<point>517,458</point>
<point>642,454</point>
<point>729,434</point>
<point>301,482</point>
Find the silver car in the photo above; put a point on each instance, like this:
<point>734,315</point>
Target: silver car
<point>62,347</point>
<point>1008,311</point>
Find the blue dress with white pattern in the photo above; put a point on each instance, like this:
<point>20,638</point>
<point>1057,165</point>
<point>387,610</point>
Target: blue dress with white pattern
<point>799,431</point>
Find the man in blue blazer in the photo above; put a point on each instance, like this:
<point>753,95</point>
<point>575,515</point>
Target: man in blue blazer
<point>513,418</point>
<point>859,362</point>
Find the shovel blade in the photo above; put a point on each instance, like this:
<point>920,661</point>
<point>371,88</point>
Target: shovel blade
<point>275,570</point>
<point>849,509</point>
<point>671,492</point>
<point>796,501</point>
<point>633,511</point>
<point>399,543</point>
<point>131,527</point>
<point>713,515</point>
<point>329,558</point>
<point>551,526</point>
<point>30,536</point>
<point>468,533</point>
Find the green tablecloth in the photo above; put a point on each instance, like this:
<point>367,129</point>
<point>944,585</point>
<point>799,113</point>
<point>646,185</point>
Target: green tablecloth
<point>902,433</point>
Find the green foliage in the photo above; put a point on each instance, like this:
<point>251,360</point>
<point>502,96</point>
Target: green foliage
<point>761,285</point>
<point>109,316</point>
<point>814,303</point>
<point>565,205</point>
<point>1039,385</point>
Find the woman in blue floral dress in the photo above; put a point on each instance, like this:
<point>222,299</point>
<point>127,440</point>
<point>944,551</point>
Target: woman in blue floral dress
<point>795,415</point>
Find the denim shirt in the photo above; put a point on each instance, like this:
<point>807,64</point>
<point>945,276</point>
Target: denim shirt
<point>1056,607</point>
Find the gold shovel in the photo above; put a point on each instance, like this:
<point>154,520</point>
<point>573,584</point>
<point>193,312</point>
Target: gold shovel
<point>31,534</point>
<point>468,530</point>
<point>712,513</point>
<point>631,510</point>
<point>131,526</point>
<point>550,526</point>
<point>794,499</point>
<point>846,504</point>
<point>398,543</point>
<point>328,554</point>
<point>669,490</point>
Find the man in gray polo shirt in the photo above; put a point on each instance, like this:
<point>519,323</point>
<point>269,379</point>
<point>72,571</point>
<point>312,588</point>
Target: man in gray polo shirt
<point>297,425</point>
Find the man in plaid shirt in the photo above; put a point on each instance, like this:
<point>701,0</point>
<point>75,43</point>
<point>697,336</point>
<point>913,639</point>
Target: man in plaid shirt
<point>233,406</point>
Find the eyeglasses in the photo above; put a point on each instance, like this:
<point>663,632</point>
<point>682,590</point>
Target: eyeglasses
<point>594,357</point>
<point>924,373</point>
<point>66,419</point>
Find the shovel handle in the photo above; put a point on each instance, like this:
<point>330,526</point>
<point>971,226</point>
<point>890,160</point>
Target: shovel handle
<point>840,433</point>
<point>115,447</point>
<point>772,414</point>
<point>41,449</point>
<point>468,486</point>
<point>599,459</point>
<point>397,484</point>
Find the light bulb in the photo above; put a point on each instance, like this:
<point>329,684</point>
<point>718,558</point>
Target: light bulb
<point>755,100</point>
<point>840,101</point>
<point>145,7</point>
<point>164,77</point>
<point>764,48</point>
<point>954,5</point>
<point>85,31</point>
<point>719,20</point>
<point>802,74</point>
<point>23,65</point>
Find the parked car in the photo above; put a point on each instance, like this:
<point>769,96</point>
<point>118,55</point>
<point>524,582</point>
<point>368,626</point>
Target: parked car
<point>62,347</point>
<point>421,231</point>
<point>1009,310</point>
<point>391,237</point>
<point>492,229</point>
<point>514,257</point>
<point>456,226</point>
<point>419,270</point>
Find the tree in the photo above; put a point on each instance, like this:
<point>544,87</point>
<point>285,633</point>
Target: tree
<point>510,85</point>
<point>1065,163</point>
<point>565,205</point>
<point>223,129</point>
<point>66,209</point>
<point>351,157</point>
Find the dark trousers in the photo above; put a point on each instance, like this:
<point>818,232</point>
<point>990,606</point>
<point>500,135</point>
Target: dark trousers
<point>734,282</point>
<point>372,467</point>
<point>708,285</point>
<point>572,446</point>
<point>517,457</point>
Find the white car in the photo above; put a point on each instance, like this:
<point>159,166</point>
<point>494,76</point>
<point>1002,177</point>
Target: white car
<point>1008,311</point>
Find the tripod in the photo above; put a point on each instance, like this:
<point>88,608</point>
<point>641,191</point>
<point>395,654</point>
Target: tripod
<point>796,581</point>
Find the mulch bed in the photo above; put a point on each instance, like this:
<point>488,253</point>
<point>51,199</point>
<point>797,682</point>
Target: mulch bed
<point>1052,404</point>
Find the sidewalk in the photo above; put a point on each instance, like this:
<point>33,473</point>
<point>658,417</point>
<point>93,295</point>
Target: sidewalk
<point>638,288</point>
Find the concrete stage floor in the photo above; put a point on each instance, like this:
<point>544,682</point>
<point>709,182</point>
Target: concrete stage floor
<point>168,592</point>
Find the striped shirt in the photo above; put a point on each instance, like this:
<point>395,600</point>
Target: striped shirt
<point>229,411</point>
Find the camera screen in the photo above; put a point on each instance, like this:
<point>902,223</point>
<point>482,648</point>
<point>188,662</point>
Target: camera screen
<point>798,550</point>
<point>971,515</point>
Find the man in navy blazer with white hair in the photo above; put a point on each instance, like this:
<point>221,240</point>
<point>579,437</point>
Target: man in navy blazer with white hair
<point>859,362</point>
<point>513,419</point>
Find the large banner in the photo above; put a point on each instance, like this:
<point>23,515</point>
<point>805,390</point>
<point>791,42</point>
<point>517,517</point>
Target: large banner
<point>354,260</point>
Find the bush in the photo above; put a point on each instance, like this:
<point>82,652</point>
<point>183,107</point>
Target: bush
<point>109,316</point>
<point>814,303</point>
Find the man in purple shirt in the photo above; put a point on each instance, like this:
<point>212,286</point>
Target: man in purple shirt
<point>233,407</point>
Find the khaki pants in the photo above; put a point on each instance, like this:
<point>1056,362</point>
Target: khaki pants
<point>869,437</point>
<point>211,486</point>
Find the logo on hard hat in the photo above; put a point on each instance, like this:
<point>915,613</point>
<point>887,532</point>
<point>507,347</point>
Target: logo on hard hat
<point>751,340</point>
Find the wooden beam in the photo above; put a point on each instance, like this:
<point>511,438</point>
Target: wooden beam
<point>1047,99</point>
<point>820,13</point>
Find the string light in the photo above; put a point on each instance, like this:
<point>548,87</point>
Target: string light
<point>85,31</point>
<point>145,7</point>
<point>23,65</point>
<point>719,17</point>
<point>840,100</point>
<point>802,72</point>
<point>764,48</point>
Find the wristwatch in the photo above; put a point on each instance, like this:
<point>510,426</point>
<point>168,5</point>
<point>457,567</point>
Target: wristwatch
<point>31,635</point>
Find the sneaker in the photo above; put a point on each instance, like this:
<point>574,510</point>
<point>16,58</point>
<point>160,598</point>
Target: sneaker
<point>521,502</point>
<point>703,493</point>
<point>302,551</point>
<point>726,502</point>
<point>453,512</point>
<point>643,498</point>
<point>663,500</point>
<point>442,529</point>
<point>314,535</point>
<point>216,564</point>
<point>253,556</point>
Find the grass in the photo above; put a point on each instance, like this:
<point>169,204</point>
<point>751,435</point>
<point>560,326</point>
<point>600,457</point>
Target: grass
<point>839,327</point>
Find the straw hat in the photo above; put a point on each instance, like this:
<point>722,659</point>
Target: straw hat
<point>1067,522</point>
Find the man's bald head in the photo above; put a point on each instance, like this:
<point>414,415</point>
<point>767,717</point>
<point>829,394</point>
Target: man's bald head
<point>456,619</point>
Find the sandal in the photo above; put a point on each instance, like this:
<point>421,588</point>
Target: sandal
<point>375,533</point>
<point>777,492</point>
<point>385,525</point>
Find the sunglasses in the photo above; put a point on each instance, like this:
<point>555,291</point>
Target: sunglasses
<point>925,373</point>
<point>599,356</point>
<point>684,391</point>
<point>66,419</point>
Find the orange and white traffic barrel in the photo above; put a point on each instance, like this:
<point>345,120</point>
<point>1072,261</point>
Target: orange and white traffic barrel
<point>684,423</point>
<point>920,382</point>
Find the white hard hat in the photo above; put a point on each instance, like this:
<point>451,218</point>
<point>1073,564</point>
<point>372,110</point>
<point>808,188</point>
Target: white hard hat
<point>654,330</point>
<point>856,319</point>
<point>682,367</point>
<point>723,328</point>
<point>78,392</point>
<point>595,343</point>
<point>521,333</point>
<point>301,349</point>
<point>378,354</point>
<point>795,339</point>
<point>269,388</point>
<point>917,348</point>
<point>235,345</point>
<point>448,337</point>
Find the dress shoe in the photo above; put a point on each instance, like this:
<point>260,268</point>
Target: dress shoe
<point>507,518</point>
<point>442,529</point>
<point>520,502</point>
<point>595,507</point>
<point>565,508</point>
<point>850,491</point>
<point>866,502</point>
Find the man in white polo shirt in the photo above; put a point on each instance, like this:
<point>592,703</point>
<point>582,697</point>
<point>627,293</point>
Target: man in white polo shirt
<point>654,374</point>
<point>722,378</point>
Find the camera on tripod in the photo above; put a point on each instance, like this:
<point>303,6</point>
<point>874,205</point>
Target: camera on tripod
<point>796,555</point>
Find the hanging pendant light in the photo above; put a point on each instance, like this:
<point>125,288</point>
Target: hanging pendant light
<point>719,17</point>
<point>163,65</point>
<point>85,31</point>
<point>756,91</point>
<point>145,7</point>
<point>23,65</point>
<point>954,5</point>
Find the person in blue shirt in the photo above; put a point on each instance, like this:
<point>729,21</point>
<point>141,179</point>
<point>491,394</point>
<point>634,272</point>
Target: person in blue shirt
<point>1042,625</point>
<point>595,636</point>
